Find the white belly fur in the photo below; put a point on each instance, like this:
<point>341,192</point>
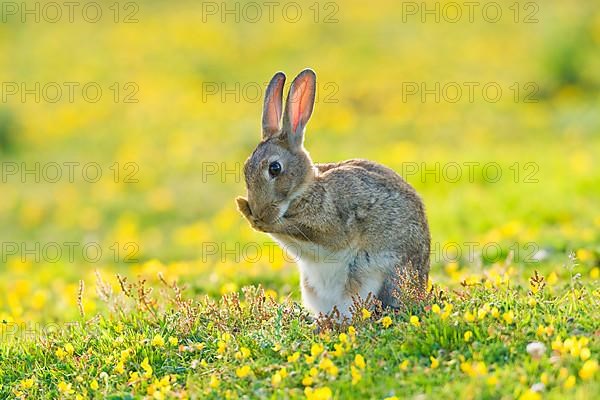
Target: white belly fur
<point>327,274</point>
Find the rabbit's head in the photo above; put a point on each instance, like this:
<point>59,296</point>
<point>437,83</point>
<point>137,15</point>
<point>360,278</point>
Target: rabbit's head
<point>279,166</point>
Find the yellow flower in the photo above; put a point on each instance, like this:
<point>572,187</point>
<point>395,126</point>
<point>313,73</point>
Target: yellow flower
<point>27,383</point>
<point>436,309</point>
<point>338,350</point>
<point>585,354</point>
<point>221,347</point>
<point>563,373</point>
<point>359,361</point>
<point>492,380</point>
<point>479,368</point>
<point>481,313</point>
<point>414,320</point>
<point>294,357</point>
<point>404,365</point>
<point>214,382</point>
<point>243,371</point>
<point>495,313</point>
<point>94,385</point>
<point>451,268</point>
<point>69,348</point>
<point>447,311</point>
<point>366,314</point>
<point>307,381</point>
<point>557,344</point>
<point>574,346</point>
<point>532,302</point>
<point>468,336</point>
<point>65,388</point>
<point>229,287</point>
<point>226,337</point>
<point>158,341</point>
<point>588,370</point>
<point>276,379</point>
<point>243,353</point>
<point>134,377</point>
<point>125,354</point>
<point>530,395</point>
<point>351,332</point>
<point>146,367</point>
<point>474,369</point>
<point>570,382</point>
<point>173,341</point>
<point>355,374</point>
<point>392,398</point>
<point>540,330</point>
<point>60,353</point>
<point>584,255</point>
<point>508,317</point>
<point>323,393</point>
<point>534,287</point>
<point>120,367</point>
<point>434,362</point>
<point>316,349</point>
<point>386,322</point>
<point>469,316</point>
<point>328,366</point>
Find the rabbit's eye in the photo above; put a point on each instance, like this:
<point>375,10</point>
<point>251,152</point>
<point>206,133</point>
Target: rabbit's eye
<point>274,169</point>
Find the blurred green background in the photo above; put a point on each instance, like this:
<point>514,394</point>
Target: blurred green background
<point>180,110</point>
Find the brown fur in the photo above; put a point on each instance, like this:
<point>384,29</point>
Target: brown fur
<point>355,204</point>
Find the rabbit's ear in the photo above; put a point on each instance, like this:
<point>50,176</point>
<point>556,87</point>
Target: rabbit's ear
<point>271,118</point>
<point>299,106</point>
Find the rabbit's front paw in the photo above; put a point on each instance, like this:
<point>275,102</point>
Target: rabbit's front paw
<point>244,208</point>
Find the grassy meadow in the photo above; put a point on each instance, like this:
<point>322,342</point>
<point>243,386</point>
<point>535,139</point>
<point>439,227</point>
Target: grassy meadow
<point>127,272</point>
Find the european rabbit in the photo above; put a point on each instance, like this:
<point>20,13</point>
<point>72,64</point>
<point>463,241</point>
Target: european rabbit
<point>356,227</point>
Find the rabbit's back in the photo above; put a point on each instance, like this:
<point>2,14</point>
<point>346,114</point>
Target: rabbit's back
<point>379,210</point>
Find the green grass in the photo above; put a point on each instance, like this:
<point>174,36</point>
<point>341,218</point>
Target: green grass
<point>470,342</point>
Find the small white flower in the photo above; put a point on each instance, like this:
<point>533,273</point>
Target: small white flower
<point>538,387</point>
<point>536,350</point>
